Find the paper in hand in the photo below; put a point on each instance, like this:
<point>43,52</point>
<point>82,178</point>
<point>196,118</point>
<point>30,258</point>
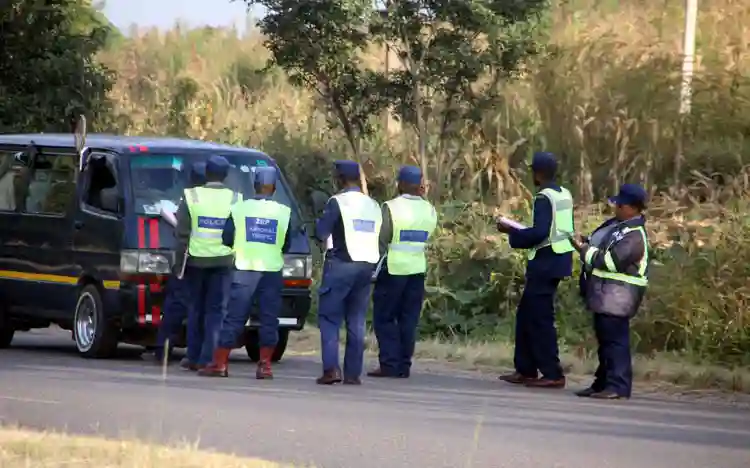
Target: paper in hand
<point>168,217</point>
<point>510,223</point>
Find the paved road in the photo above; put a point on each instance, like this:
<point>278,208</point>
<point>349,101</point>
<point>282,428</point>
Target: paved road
<point>429,421</point>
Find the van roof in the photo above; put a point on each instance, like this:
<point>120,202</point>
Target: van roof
<point>123,143</point>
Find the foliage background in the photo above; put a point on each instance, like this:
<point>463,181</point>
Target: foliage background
<point>603,95</point>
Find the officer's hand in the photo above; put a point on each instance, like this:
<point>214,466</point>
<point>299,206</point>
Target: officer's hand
<point>502,227</point>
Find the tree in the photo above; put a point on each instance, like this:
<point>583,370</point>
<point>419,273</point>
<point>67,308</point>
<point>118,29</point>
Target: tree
<point>47,69</point>
<point>318,43</point>
<point>453,56</point>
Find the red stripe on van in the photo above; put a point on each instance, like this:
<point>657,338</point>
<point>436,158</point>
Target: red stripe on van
<point>142,286</point>
<point>153,237</point>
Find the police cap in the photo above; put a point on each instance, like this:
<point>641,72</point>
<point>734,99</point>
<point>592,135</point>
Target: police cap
<point>410,175</point>
<point>630,194</point>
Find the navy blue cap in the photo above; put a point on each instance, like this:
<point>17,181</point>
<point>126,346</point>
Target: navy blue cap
<point>265,175</point>
<point>630,194</point>
<point>544,161</point>
<point>346,168</point>
<point>410,175</point>
<point>198,169</point>
<point>217,165</point>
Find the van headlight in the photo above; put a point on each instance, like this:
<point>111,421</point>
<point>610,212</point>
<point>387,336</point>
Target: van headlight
<point>139,261</point>
<point>297,266</point>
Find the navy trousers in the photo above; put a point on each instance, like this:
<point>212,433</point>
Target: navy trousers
<point>246,285</point>
<point>175,311</point>
<point>344,296</point>
<point>397,304</point>
<point>209,292</point>
<point>615,371</point>
<point>536,348</point>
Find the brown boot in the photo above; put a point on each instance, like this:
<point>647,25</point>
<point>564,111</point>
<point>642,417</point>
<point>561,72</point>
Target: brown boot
<point>264,364</point>
<point>219,366</point>
<point>329,377</point>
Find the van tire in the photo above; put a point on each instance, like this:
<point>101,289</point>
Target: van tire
<point>6,329</point>
<point>95,337</point>
<point>252,346</point>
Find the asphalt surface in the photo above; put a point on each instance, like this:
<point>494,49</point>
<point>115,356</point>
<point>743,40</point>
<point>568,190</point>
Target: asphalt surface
<point>428,421</point>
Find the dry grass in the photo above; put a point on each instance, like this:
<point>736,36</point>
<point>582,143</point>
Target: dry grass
<point>28,449</point>
<point>667,371</point>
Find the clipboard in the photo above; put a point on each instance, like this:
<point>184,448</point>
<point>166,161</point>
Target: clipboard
<point>510,223</point>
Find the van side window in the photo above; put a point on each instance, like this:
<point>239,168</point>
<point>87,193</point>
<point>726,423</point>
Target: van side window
<point>52,186</point>
<point>14,180</point>
<point>101,184</point>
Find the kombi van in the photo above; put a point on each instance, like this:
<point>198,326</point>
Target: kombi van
<point>85,243</point>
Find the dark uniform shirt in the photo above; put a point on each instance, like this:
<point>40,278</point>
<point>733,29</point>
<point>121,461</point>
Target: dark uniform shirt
<point>546,263</point>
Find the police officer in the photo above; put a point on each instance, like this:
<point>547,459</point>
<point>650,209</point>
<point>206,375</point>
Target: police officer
<point>258,231</point>
<point>207,272</point>
<point>176,302</point>
<point>352,221</point>
<point>408,223</point>
<point>550,259</point>
<point>613,282</point>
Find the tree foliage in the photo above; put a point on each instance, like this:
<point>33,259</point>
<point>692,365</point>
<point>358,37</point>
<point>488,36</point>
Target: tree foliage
<point>47,68</point>
<point>452,55</point>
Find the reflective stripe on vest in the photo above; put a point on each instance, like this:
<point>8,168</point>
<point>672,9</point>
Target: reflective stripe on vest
<point>209,209</point>
<point>562,222</point>
<point>260,227</point>
<point>414,220</point>
<point>362,219</point>
<point>640,279</point>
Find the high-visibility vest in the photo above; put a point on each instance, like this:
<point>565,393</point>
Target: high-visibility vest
<point>260,227</point>
<point>562,222</point>
<point>640,278</point>
<point>362,219</point>
<point>414,220</point>
<point>209,209</point>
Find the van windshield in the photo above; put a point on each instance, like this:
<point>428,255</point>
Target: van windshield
<point>159,180</point>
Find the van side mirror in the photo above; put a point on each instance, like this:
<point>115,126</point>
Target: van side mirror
<point>318,201</point>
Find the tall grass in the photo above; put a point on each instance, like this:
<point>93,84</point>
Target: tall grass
<point>604,96</point>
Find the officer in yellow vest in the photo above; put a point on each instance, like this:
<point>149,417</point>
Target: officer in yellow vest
<point>207,272</point>
<point>351,221</point>
<point>257,230</point>
<point>408,223</point>
<point>550,259</point>
<point>613,282</point>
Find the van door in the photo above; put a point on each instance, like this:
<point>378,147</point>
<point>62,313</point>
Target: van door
<point>98,221</point>
<point>37,253</point>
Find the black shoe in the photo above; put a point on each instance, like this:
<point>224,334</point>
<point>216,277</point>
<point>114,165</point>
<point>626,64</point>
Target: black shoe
<point>352,381</point>
<point>607,395</point>
<point>586,392</point>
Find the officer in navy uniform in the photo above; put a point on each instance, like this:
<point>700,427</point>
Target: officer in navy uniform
<point>550,254</point>
<point>208,264</point>
<point>258,231</point>
<point>614,279</point>
<point>408,223</point>
<point>351,222</point>
<point>177,300</point>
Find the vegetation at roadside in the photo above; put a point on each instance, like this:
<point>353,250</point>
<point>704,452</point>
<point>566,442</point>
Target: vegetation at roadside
<point>598,85</point>
<point>23,448</point>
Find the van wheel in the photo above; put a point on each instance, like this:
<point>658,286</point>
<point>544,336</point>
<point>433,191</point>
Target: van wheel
<point>6,329</point>
<point>252,345</point>
<point>94,336</point>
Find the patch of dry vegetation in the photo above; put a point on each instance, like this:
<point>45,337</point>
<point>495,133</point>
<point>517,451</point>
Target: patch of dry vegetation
<point>30,449</point>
